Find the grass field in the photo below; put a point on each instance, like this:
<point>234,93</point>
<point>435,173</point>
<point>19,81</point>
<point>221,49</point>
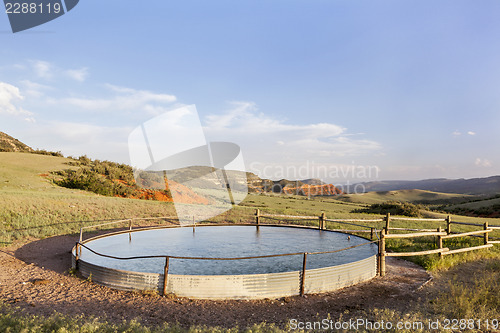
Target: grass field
<point>32,207</point>
<point>477,204</point>
<point>413,196</point>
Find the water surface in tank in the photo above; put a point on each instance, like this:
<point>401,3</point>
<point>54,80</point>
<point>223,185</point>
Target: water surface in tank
<point>226,242</point>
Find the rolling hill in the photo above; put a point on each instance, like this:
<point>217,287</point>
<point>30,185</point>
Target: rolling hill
<point>9,144</point>
<point>413,196</point>
<point>315,187</point>
<point>307,187</point>
<point>478,186</point>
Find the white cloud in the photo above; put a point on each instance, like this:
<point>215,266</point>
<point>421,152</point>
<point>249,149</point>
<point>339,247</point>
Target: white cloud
<point>244,117</point>
<point>19,66</point>
<point>123,99</point>
<point>458,133</point>
<point>266,139</point>
<point>9,96</point>
<point>77,74</point>
<point>76,139</point>
<point>42,69</point>
<point>48,71</point>
<point>34,89</point>
<point>482,163</point>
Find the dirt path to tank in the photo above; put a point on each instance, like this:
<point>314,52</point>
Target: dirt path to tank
<point>34,277</point>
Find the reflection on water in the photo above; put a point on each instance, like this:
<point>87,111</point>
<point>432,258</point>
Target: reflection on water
<point>227,242</point>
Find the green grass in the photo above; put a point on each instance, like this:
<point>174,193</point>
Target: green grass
<point>22,171</point>
<point>477,204</point>
<point>11,321</point>
<point>301,205</point>
<point>413,196</point>
<point>486,207</point>
<point>42,215</point>
<point>463,297</point>
<point>31,206</point>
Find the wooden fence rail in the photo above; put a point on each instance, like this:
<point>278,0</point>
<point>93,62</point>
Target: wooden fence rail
<point>412,229</point>
<point>468,223</point>
<point>130,222</point>
<point>466,249</point>
<point>417,219</point>
<point>417,234</point>
<point>385,234</point>
<point>470,233</point>
<point>419,253</point>
<point>442,251</point>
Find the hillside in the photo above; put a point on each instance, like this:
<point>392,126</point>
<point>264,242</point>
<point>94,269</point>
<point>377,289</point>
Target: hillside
<point>311,187</point>
<point>9,144</point>
<point>413,196</point>
<point>489,207</point>
<point>98,179</point>
<point>481,186</point>
<point>27,171</point>
<point>307,187</point>
<point>313,181</point>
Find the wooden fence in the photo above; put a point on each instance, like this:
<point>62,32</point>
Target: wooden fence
<point>385,233</point>
<point>382,235</point>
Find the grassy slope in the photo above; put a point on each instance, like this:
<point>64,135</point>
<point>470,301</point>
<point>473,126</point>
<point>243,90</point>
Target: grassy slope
<point>300,205</point>
<point>413,196</point>
<point>20,171</point>
<point>476,204</point>
<point>30,205</point>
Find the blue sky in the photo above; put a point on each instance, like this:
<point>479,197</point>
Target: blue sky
<point>411,87</point>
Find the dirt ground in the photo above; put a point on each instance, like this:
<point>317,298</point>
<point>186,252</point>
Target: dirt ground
<point>34,277</point>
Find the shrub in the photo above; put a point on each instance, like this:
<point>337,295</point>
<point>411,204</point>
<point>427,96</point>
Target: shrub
<point>49,153</point>
<point>101,177</point>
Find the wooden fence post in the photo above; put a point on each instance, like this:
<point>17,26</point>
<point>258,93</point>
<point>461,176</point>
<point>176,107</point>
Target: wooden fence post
<point>381,249</point>
<point>257,216</point>
<point>371,233</point>
<point>448,224</point>
<point>387,220</point>
<point>130,230</point>
<point>440,242</point>
<point>303,277</point>
<point>486,240</point>
<point>165,276</point>
<point>322,221</point>
<point>77,255</point>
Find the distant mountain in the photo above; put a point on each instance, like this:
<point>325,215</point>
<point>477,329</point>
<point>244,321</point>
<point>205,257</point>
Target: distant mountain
<point>9,144</point>
<point>487,186</point>
<point>313,181</point>
<point>203,177</point>
<point>308,187</point>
